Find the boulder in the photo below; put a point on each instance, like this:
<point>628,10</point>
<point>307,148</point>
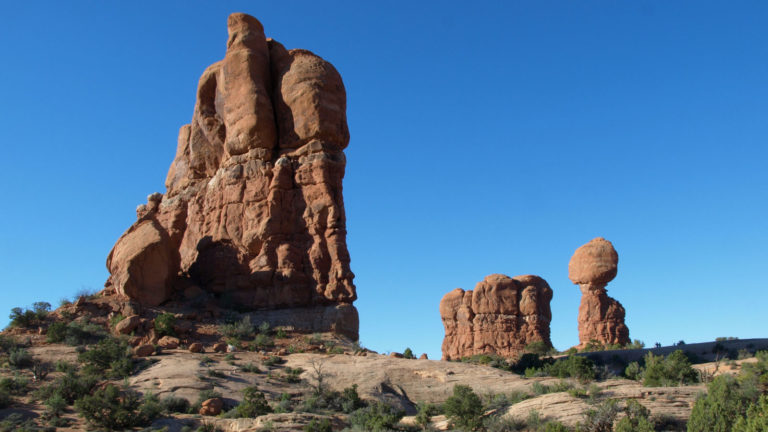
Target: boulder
<point>501,316</point>
<point>253,207</point>
<point>211,407</point>
<point>168,342</point>
<point>423,357</point>
<point>601,318</point>
<point>220,347</point>
<point>196,347</point>
<point>127,325</point>
<point>145,350</point>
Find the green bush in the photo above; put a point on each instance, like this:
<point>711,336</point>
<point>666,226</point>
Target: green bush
<point>264,328</point>
<point>378,416</point>
<point>464,409</point>
<point>5,398</point>
<point>291,375</point>
<point>17,385</point>
<point>719,409</point>
<point>756,418</point>
<point>19,358</point>
<point>71,386</point>
<point>262,341</point>
<point>164,324</point>
<point>24,318</point>
<point>601,418</point>
<point>425,414</point>
<point>636,419</point>
<point>8,343</point>
<point>673,370</point>
<point>539,348</point>
<point>254,404</point>
<point>273,360</point>
<point>250,368</point>
<point>110,357</point>
<point>315,425</point>
<point>172,404</point>
<point>55,405</point>
<point>242,329</point>
<point>75,333</point>
<point>408,354</point>
<point>109,408</point>
<point>634,371</point>
<point>578,367</point>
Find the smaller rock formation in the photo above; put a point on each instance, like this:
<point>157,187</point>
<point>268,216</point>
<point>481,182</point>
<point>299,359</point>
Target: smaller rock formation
<point>601,318</point>
<point>501,316</point>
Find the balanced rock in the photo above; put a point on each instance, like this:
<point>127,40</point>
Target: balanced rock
<point>501,316</point>
<point>253,209</point>
<point>601,318</point>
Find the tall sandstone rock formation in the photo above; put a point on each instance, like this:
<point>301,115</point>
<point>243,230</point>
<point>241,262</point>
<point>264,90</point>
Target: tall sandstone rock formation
<point>601,318</point>
<point>253,209</point>
<point>501,316</point>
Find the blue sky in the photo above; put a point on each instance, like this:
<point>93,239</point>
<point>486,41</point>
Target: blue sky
<point>487,138</point>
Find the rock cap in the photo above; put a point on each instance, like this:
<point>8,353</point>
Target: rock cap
<point>594,263</point>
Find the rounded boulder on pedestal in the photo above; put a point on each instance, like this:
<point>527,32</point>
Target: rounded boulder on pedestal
<point>594,263</point>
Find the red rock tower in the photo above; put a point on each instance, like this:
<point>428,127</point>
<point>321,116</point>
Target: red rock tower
<point>253,211</point>
<point>501,316</point>
<point>601,318</point>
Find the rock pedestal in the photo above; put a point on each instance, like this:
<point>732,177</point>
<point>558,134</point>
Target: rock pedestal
<point>601,318</point>
<point>253,211</point>
<point>501,316</point>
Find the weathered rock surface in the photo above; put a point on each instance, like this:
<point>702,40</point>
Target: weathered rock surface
<point>601,318</point>
<point>253,210</point>
<point>502,315</point>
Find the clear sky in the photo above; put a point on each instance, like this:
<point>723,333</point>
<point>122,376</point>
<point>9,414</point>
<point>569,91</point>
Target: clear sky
<point>487,137</point>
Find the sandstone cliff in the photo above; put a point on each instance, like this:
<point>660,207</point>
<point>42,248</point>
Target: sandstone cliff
<point>502,315</point>
<point>253,210</point>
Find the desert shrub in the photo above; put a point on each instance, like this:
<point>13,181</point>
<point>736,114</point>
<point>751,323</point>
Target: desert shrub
<point>601,418</point>
<point>71,386</point>
<point>7,343</point>
<point>634,371</point>
<point>112,409</point>
<point>115,320</point>
<point>55,406</point>
<point>425,414</point>
<point>540,348</point>
<point>378,416</point>
<point>5,398</point>
<point>254,404</point>
<point>64,366</point>
<point>554,426</point>
<point>110,357</point>
<point>280,333</point>
<point>74,333</point>
<point>499,423</point>
<point>464,409</point>
<point>291,375</point>
<point>17,385</point>
<point>673,370</point>
<point>164,324</point>
<point>264,328</point>
<point>20,358</point>
<point>27,317</point>
<point>636,419</point>
<point>756,418</point>
<point>719,409</point>
<point>315,425</point>
<point>408,354</point>
<point>754,376</point>
<point>346,401</point>
<point>527,361</point>
<point>250,368</point>
<point>17,422</point>
<point>241,329</point>
<point>578,367</point>
<point>262,341</point>
<point>273,360</point>
<point>284,405</point>
<point>172,404</point>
